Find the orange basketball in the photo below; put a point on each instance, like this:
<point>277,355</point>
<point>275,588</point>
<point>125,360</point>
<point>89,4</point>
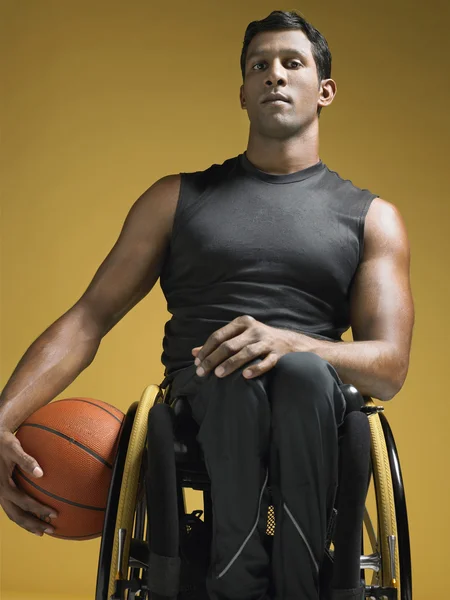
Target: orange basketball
<point>75,442</point>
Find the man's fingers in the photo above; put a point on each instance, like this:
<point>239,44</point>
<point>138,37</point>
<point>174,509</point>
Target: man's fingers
<point>231,354</point>
<point>232,330</point>
<point>18,456</point>
<point>26,519</point>
<point>29,504</point>
<point>249,354</point>
<point>27,463</point>
<point>258,368</point>
<point>22,509</point>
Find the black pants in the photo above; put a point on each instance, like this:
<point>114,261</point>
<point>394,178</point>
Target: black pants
<point>278,429</point>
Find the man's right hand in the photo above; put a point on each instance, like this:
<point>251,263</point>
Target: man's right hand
<point>16,504</point>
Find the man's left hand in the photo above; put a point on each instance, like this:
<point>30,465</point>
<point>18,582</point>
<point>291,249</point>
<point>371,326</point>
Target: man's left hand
<point>240,342</point>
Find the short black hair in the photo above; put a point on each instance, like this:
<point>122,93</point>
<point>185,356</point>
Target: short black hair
<point>282,20</point>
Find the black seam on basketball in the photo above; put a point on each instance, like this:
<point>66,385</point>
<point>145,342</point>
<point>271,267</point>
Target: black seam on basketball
<point>66,437</point>
<point>76,537</point>
<point>19,472</point>
<point>92,404</point>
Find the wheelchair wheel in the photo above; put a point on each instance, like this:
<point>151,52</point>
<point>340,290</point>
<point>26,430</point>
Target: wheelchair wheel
<point>107,540</point>
<point>388,541</point>
<point>125,519</point>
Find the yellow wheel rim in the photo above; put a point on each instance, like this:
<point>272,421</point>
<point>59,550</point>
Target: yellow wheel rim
<point>387,524</point>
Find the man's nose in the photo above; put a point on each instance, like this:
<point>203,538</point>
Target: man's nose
<point>276,75</point>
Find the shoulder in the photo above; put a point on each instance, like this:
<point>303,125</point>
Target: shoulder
<point>384,230</point>
<point>163,194</point>
<point>169,184</point>
<point>211,175</point>
<point>167,189</point>
<point>157,205</point>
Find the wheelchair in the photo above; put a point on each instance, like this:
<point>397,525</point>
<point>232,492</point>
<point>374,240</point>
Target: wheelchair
<point>151,548</point>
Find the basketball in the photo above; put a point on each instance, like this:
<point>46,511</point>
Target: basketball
<point>75,442</point>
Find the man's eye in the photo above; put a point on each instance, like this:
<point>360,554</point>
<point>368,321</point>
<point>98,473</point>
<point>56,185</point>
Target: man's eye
<point>291,62</point>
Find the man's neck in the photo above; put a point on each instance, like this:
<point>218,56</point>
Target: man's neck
<point>281,157</point>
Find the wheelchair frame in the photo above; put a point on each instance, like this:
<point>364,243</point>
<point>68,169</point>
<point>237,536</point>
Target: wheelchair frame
<point>125,570</point>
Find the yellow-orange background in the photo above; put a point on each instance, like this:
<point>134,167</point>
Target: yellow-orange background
<point>101,98</point>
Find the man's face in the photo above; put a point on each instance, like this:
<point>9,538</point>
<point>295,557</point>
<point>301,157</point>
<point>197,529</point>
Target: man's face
<point>281,61</point>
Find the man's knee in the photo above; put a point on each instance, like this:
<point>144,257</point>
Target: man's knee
<point>304,367</point>
<point>303,382</point>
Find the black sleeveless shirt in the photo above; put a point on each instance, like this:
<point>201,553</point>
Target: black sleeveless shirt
<point>281,248</point>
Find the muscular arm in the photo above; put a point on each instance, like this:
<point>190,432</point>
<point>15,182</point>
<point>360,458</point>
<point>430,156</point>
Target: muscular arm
<point>382,310</point>
<point>125,277</point>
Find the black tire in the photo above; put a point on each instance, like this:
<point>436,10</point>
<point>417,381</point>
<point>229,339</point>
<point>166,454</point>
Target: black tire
<point>401,513</point>
<point>106,546</point>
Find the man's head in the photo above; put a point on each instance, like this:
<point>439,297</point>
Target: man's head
<point>284,53</point>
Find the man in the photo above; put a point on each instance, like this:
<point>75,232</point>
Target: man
<point>265,261</point>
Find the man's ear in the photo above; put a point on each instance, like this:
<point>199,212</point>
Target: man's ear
<point>328,89</point>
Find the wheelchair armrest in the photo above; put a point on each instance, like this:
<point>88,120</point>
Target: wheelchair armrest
<point>354,399</point>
